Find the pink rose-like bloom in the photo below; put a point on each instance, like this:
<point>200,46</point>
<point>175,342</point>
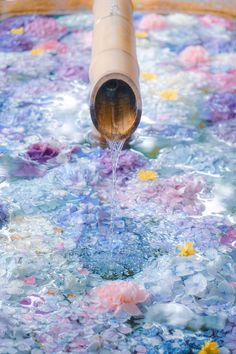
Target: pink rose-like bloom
<point>210,20</point>
<point>152,22</point>
<point>177,193</point>
<point>229,239</point>
<point>45,27</point>
<point>121,295</point>
<point>193,56</point>
<point>42,152</point>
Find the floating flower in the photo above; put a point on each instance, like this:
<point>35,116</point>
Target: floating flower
<point>177,193</point>
<point>152,22</point>
<point>45,27</point>
<point>30,280</point>
<point>9,43</point>
<point>37,51</point>
<point>128,161</point>
<point>209,348</point>
<point>193,56</point>
<point>17,31</point>
<point>169,94</point>
<point>187,250</point>
<point>4,215</point>
<point>229,239</point>
<point>210,20</point>
<point>76,72</point>
<point>121,295</point>
<point>53,45</point>
<point>222,106</point>
<point>141,35</point>
<point>148,76</point>
<point>42,152</point>
<point>147,175</point>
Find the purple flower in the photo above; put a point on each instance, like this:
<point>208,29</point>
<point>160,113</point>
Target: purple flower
<point>45,28</point>
<point>12,43</point>
<point>79,72</point>
<point>15,22</point>
<point>222,106</point>
<point>22,168</point>
<point>129,161</point>
<point>4,215</point>
<point>229,239</point>
<point>42,152</point>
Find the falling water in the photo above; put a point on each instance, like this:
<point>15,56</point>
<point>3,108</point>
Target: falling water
<point>115,147</point>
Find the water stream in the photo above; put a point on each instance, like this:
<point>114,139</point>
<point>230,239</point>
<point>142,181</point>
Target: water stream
<point>115,147</point>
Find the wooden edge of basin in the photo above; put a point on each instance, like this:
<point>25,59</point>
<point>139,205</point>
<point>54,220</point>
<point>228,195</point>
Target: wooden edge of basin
<point>20,7</point>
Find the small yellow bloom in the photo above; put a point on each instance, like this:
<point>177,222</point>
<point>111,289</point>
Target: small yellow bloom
<point>148,76</point>
<point>169,94</point>
<point>209,348</point>
<point>70,296</point>
<point>147,175</point>
<point>17,31</point>
<point>187,250</point>
<point>37,51</point>
<point>141,35</point>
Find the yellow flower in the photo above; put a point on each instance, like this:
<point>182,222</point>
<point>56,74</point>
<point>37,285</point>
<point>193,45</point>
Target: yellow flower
<point>147,175</point>
<point>187,250</point>
<point>209,348</point>
<point>148,76</point>
<point>17,31</point>
<point>37,51</point>
<point>169,94</point>
<point>141,35</point>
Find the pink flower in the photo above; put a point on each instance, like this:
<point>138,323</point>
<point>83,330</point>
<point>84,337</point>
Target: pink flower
<point>229,239</point>
<point>193,56</point>
<point>177,193</point>
<point>223,82</point>
<point>210,20</point>
<point>152,22</point>
<point>55,46</point>
<point>30,280</point>
<point>60,246</point>
<point>121,295</point>
<point>45,27</point>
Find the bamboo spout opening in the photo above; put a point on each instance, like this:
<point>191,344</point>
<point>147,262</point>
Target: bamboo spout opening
<point>115,113</point>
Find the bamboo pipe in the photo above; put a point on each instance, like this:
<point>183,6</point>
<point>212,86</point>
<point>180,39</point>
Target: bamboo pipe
<point>115,100</point>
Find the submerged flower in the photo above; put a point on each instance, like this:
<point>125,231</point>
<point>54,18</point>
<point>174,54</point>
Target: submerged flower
<point>210,20</point>
<point>45,27</point>
<point>222,106</point>
<point>121,295</point>
<point>148,76</point>
<point>141,35</point>
<point>42,152</point>
<point>152,22</point>
<point>193,56</point>
<point>147,175</point>
<point>169,94</point>
<point>187,250</point>
<point>128,161</point>
<point>209,348</point>
<point>17,31</point>
<point>37,51</point>
<point>4,215</point>
<point>229,239</point>
<point>53,45</point>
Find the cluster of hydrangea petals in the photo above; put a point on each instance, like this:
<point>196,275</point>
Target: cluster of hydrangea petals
<point>177,193</point>
<point>42,152</point>
<point>45,28</point>
<point>129,161</point>
<point>152,22</point>
<point>194,56</point>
